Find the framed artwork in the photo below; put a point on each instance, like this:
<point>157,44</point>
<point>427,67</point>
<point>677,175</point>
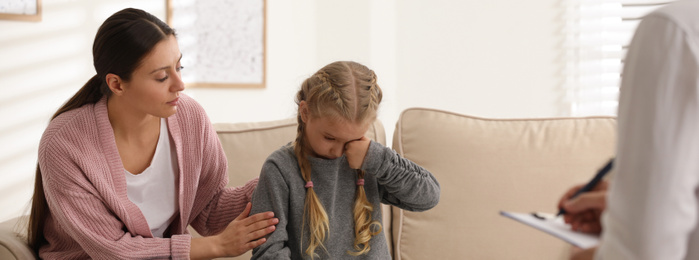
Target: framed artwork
<point>20,10</point>
<point>222,41</point>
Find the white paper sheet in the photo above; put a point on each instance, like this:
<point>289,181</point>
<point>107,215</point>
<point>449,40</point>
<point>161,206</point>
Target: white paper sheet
<point>556,227</point>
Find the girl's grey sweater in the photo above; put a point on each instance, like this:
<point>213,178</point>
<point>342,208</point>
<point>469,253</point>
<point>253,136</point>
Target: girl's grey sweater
<point>389,179</point>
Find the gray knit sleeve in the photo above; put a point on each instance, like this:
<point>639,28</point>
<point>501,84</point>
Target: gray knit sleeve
<point>402,183</point>
<point>272,194</point>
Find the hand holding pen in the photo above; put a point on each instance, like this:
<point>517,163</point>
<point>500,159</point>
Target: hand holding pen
<point>582,205</point>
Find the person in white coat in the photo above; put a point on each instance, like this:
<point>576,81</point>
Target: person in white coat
<point>652,205</point>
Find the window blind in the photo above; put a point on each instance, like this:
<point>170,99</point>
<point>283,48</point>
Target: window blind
<point>598,33</point>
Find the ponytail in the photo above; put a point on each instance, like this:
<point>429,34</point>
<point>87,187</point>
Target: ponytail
<point>37,217</point>
<point>90,93</point>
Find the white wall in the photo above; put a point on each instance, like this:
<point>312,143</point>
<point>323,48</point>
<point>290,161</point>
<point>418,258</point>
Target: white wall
<point>482,58</point>
<point>486,58</point>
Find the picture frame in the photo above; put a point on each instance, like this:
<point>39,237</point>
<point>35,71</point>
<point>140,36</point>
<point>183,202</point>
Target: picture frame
<point>20,10</point>
<point>223,42</point>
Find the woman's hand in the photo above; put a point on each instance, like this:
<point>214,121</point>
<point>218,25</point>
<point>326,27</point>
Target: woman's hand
<point>246,232</point>
<point>583,212</point>
<point>356,151</point>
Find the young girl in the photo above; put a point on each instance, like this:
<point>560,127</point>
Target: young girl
<point>326,187</point>
<point>129,162</point>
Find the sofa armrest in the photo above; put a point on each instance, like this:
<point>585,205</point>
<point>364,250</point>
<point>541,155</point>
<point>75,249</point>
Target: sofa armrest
<point>12,241</point>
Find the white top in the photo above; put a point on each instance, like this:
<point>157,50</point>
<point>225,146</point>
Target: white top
<point>153,190</point>
<point>653,204</point>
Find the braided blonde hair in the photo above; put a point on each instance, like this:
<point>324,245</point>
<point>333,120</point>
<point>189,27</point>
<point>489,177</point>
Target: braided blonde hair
<point>346,90</point>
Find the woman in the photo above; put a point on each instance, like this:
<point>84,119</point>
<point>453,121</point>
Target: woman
<point>129,162</point>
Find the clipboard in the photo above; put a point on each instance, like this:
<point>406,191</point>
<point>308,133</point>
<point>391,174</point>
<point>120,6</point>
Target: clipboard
<point>554,226</point>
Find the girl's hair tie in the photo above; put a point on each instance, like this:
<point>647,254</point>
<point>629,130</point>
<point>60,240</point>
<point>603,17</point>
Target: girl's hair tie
<point>309,184</point>
<point>360,182</point>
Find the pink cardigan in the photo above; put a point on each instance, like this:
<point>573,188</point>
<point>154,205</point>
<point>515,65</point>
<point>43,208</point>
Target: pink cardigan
<point>90,213</point>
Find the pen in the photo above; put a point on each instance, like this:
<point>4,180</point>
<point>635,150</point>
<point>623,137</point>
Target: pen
<point>598,177</point>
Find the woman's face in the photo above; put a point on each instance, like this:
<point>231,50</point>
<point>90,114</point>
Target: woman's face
<point>156,83</point>
<point>327,136</point>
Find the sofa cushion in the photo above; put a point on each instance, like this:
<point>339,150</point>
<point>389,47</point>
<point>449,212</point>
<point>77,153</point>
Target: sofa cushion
<point>488,165</point>
<point>247,145</point>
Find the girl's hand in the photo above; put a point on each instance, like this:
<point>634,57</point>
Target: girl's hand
<point>356,151</point>
<point>246,232</point>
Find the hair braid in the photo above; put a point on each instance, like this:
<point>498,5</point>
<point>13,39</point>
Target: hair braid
<point>314,213</point>
<point>375,94</point>
<point>364,227</point>
<point>332,90</point>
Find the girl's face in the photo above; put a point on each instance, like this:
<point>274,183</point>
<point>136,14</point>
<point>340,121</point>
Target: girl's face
<point>327,136</point>
<point>156,83</point>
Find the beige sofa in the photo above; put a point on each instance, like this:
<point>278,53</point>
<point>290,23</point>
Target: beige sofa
<point>483,166</point>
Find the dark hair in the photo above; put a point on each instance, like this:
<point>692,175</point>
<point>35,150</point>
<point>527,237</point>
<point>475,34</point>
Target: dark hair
<point>120,44</point>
